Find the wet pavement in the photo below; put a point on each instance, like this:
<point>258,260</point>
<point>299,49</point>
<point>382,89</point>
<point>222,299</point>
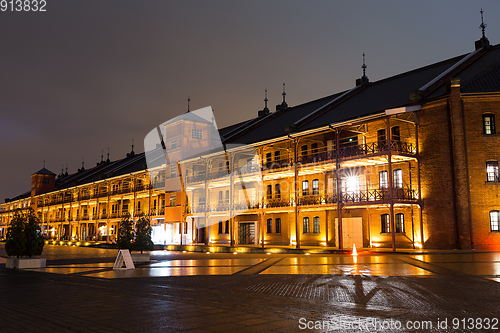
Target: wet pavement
<point>216,292</point>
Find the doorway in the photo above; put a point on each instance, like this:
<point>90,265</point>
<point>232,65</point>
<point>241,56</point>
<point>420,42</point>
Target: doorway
<point>352,231</point>
<point>247,233</point>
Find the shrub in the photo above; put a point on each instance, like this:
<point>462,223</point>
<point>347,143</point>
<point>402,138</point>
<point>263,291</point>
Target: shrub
<point>125,233</point>
<point>23,235</point>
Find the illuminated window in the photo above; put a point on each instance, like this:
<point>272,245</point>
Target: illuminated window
<point>269,226</point>
<point>305,188</point>
<point>351,184</point>
<point>305,227</point>
<point>400,222</point>
<point>494,220</point>
<point>173,199</point>
<point>278,226</point>
<point>316,225</point>
<point>383,181</point>
<point>398,178</point>
<point>492,171</point>
<point>386,226</point>
<point>315,187</point>
<point>489,124</point>
<point>196,134</point>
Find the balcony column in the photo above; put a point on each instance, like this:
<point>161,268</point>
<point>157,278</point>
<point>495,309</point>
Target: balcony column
<point>62,219</point>
<point>79,215</point>
<point>391,197</point>
<point>419,184</point>
<point>339,190</point>
<point>325,195</point>
<point>207,206</point>
<point>231,199</point>
<point>296,196</point>
<point>107,214</point>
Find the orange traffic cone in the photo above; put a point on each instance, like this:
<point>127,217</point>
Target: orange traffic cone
<point>354,252</point>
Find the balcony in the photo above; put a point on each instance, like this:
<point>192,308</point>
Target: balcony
<point>278,164</point>
<point>278,202</point>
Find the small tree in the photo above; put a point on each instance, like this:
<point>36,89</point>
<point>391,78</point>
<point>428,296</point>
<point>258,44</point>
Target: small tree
<point>125,233</point>
<point>24,237</point>
<point>143,241</point>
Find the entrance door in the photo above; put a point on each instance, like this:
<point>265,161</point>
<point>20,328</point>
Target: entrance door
<point>247,233</point>
<point>352,231</point>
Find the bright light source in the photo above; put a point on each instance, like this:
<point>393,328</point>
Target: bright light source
<point>235,252</point>
<point>308,254</point>
<point>352,184</point>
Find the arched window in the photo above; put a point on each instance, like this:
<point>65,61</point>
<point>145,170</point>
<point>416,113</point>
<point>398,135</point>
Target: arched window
<point>400,222</point>
<point>276,155</point>
<point>398,178</point>
<point>494,220</point>
<point>278,226</point>
<point>269,192</point>
<point>220,227</point>
<point>305,187</point>
<point>316,224</point>
<point>269,157</point>
<point>226,199</point>
<point>492,171</point>
<point>221,200</point>
<point>269,226</point>
<point>383,181</point>
<point>277,191</point>
<point>315,187</point>
<point>226,231</point>
<point>305,227</point>
<point>488,124</point>
<point>382,141</point>
<point>395,136</point>
<point>303,150</point>
<point>386,225</point>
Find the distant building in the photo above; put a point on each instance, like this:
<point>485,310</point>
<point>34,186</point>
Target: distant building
<point>408,161</point>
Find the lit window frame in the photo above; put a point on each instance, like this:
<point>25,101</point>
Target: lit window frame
<point>399,220</point>
<point>495,221</point>
<point>385,226</point>
<point>489,124</point>
<point>492,175</point>
<point>316,225</point>
<point>305,225</point>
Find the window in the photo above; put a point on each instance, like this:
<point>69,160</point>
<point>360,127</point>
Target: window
<point>173,200</point>
<point>269,226</point>
<point>314,148</point>
<point>278,226</point>
<point>202,201</point>
<point>226,197</point>
<point>492,171</point>
<point>276,156</point>
<point>305,188</point>
<point>138,206</point>
<point>489,124</point>
<point>494,218</point>
<point>382,142</point>
<point>316,224</point>
<point>305,227</point>
<point>383,181</point>
<point>400,222</point>
<point>398,178</point>
<point>221,199</point>
<point>173,171</point>
<point>220,227</point>
<point>173,144</point>
<point>226,230</point>
<point>395,136</point>
<point>315,187</point>
<point>277,191</point>
<point>196,134</point>
<point>269,157</point>
<point>386,226</point>
<point>303,150</point>
<point>269,192</point>
<point>45,181</point>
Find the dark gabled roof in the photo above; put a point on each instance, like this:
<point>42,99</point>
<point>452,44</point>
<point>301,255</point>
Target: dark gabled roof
<point>44,171</point>
<point>486,81</point>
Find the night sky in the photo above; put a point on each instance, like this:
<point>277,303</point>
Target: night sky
<point>91,74</point>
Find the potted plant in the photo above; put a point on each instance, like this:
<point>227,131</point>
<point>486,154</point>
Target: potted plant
<point>24,243</point>
<point>143,241</point>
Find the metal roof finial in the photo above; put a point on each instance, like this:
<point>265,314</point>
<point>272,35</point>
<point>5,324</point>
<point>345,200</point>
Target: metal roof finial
<point>132,145</point>
<point>189,100</point>
<point>102,155</point>
<point>364,66</point>
<point>284,93</point>
<point>44,163</point>
<point>482,25</point>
